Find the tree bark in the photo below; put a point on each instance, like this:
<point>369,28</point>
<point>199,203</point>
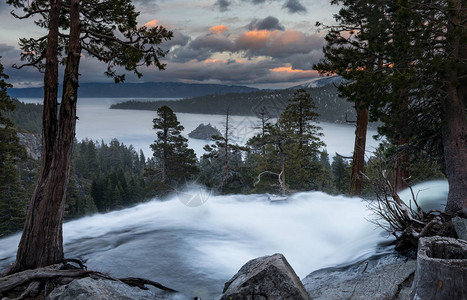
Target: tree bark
<point>42,242</point>
<point>401,172</point>
<point>282,174</point>
<point>454,127</point>
<point>358,160</point>
<point>441,269</point>
<point>226,152</point>
<point>41,233</point>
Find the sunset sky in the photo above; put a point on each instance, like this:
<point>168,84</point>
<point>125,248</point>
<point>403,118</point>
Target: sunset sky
<point>260,43</point>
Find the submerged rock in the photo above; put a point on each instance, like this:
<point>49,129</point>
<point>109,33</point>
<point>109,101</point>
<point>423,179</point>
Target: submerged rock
<point>204,132</point>
<point>377,278</point>
<point>88,288</point>
<point>267,277</point>
<point>441,269</point>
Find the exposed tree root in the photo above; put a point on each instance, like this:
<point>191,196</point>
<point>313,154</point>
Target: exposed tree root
<point>406,221</point>
<point>38,283</point>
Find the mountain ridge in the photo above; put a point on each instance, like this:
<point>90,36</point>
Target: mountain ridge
<point>139,90</point>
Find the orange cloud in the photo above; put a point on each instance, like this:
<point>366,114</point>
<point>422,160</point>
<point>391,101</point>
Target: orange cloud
<point>218,29</point>
<point>289,70</point>
<point>216,60</point>
<point>152,23</point>
<point>259,34</point>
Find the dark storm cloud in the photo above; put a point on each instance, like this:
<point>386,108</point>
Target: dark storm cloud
<point>178,39</point>
<point>223,5</point>
<point>227,72</point>
<point>294,6</point>
<point>213,42</point>
<point>268,23</point>
<point>279,45</point>
<point>148,6</point>
<point>186,54</point>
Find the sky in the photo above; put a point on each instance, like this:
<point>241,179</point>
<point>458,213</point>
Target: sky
<point>258,43</point>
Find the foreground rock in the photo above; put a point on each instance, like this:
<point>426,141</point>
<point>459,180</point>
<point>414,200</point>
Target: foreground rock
<point>377,278</point>
<point>88,288</point>
<point>441,269</point>
<point>460,225</point>
<point>267,277</point>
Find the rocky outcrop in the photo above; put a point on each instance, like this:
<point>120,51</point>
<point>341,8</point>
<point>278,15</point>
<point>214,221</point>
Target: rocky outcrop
<point>441,269</point>
<point>377,278</point>
<point>204,132</point>
<point>460,225</point>
<point>31,143</point>
<point>88,288</point>
<point>267,277</point>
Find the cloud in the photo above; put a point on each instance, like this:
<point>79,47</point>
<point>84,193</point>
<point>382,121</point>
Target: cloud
<point>152,23</point>
<point>27,76</point>
<point>213,43</point>
<point>218,29</point>
<point>268,23</point>
<point>186,54</point>
<point>294,6</point>
<point>178,39</point>
<point>223,5</point>
<point>277,44</point>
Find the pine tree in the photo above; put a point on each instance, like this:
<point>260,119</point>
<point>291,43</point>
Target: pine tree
<point>223,159</point>
<point>175,162</point>
<point>407,61</point>
<point>292,147</point>
<point>12,194</point>
<point>106,30</point>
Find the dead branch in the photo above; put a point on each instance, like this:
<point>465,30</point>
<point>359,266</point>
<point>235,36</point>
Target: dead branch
<point>61,274</point>
<point>406,222</point>
<point>140,282</point>
<point>268,172</point>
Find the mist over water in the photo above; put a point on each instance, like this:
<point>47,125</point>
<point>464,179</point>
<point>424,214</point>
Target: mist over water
<point>197,249</point>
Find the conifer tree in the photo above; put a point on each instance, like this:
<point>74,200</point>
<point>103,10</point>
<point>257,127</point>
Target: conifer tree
<point>416,83</point>
<point>175,162</point>
<point>292,146</point>
<point>106,30</point>
<point>12,194</point>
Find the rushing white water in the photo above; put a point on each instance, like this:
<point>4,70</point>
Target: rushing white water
<point>196,249</point>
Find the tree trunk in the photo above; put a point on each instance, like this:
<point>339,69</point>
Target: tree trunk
<point>42,242</point>
<point>454,127</point>
<point>401,172</point>
<point>358,160</point>
<point>282,174</point>
<point>226,152</point>
<point>41,233</point>
<point>441,269</point>
<point>164,162</point>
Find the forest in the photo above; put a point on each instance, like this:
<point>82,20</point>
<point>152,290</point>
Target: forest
<point>403,63</point>
<point>106,177</point>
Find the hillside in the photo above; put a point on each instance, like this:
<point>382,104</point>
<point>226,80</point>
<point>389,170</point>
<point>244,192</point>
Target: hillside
<point>330,106</point>
<point>139,90</point>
